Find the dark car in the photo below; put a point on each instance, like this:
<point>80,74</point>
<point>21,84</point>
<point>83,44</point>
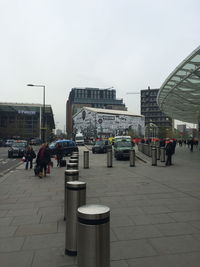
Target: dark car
<point>67,146</point>
<point>18,149</point>
<point>101,146</point>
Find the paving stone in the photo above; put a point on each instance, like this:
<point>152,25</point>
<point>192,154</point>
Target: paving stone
<point>26,219</point>
<point>136,232</point>
<point>36,229</point>
<point>121,221</point>
<point>176,229</point>
<point>5,221</point>
<point>177,244</point>
<point>53,257</point>
<point>6,231</point>
<point>44,241</point>
<point>183,260</point>
<point>11,244</point>
<point>156,209</point>
<point>119,264</point>
<point>122,250</point>
<point>22,212</point>
<point>151,219</point>
<point>185,216</point>
<point>15,259</point>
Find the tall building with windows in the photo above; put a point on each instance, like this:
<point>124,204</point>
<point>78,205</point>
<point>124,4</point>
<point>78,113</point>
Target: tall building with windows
<point>90,97</point>
<point>151,111</point>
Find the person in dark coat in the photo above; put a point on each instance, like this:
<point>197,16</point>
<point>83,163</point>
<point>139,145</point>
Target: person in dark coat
<point>169,152</point>
<point>59,154</point>
<point>43,159</point>
<point>29,156</point>
<point>191,144</point>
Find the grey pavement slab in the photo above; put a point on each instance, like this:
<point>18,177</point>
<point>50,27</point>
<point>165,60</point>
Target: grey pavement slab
<point>154,213</point>
<point>15,259</point>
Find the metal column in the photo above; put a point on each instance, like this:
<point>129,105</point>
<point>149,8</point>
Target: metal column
<point>132,158</point>
<point>86,159</point>
<point>93,236</point>
<point>109,158</point>
<point>162,154</point>
<point>76,197</point>
<point>70,175</point>
<point>154,156</point>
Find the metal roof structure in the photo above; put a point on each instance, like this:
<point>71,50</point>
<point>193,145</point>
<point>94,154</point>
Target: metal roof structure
<point>179,95</point>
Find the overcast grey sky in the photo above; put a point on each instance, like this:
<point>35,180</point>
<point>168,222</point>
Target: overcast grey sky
<point>128,44</point>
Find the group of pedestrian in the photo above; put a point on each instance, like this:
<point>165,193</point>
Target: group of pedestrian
<point>43,159</point>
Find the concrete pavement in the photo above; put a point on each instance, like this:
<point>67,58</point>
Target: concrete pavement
<point>155,218</point>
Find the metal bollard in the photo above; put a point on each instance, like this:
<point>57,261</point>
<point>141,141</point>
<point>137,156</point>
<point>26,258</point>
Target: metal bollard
<point>70,175</point>
<point>150,151</point>
<point>132,158</point>
<point>85,159</point>
<point>73,160</point>
<point>72,166</point>
<point>76,197</point>
<point>93,236</point>
<point>158,152</point>
<point>109,158</point>
<point>162,154</point>
<point>74,156</point>
<point>154,156</point>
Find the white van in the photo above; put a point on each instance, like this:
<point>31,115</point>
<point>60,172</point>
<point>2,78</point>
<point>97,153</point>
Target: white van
<point>79,139</point>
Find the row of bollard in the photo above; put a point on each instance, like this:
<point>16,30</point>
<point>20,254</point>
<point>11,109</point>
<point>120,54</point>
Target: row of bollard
<point>87,226</point>
<point>110,158</point>
<point>156,152</point>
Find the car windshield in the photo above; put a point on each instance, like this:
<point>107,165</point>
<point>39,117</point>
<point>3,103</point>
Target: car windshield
<point>79,137</point>
<point>15,144</point>
<point>100,142</point>
<point>124,144</point>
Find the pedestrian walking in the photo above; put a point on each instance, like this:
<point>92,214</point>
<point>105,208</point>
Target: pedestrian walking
<point>59,154</point>
<point>43,159</point>
<point>169,152</point>
<point>29,156</point>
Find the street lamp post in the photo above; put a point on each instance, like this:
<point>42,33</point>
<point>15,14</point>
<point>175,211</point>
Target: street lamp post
<point>43,112</point>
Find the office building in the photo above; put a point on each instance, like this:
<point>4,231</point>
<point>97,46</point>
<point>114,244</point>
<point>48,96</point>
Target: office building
<point>24,121</point>
<point>154,117</point>
<point>90,97</point>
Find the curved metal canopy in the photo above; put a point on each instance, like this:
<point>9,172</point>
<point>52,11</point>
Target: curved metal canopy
<point>179,95</point>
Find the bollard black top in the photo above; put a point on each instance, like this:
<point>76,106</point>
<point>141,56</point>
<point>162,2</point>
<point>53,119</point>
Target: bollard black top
<point>76,185</point>
<point>93,212</point>
<point>71,172</point>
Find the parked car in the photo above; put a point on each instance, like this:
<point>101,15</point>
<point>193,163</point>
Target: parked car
<point>67,146</point>
<point>18,149</point>
<point>9,142</point>
<point>101,146</point>
<point>122,147</point>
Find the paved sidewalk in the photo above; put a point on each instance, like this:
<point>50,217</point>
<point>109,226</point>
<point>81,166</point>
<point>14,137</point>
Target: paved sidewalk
<point>155,218</point>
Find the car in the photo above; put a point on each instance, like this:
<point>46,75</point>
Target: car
<point>9,142</point>
<point>101,146</point>
<point>18,149</point>
<point>122,147</point>
<point>68,146</point>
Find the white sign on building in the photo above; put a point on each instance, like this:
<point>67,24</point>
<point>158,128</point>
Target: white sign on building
<point>94,122</point>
